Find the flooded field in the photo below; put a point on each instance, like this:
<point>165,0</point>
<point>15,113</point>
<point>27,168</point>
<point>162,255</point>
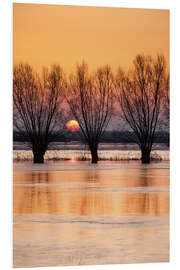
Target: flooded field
<point>75,213</point>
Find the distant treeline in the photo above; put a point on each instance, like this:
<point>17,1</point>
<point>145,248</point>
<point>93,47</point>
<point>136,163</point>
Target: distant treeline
<point>108,137</point>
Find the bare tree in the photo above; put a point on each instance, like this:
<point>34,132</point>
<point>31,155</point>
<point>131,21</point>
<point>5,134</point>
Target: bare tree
<point>90,99</point>
<point>140,97</point>
<point>37,106</point>
<point>166,97</point>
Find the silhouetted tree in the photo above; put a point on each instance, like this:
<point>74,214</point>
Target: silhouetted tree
<point>167,99</point>
<point>37,106</point>
<point>90,99</point>
<point>140,97</point>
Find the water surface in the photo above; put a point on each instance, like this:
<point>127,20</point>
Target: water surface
<point>69,213</point>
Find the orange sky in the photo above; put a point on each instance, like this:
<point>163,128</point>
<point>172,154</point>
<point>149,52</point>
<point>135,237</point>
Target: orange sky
<point>48,34</point>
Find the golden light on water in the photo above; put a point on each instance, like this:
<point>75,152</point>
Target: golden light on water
<point>72,125</point>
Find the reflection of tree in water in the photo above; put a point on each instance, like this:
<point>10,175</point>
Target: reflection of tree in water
<point>144,198</point>
<point>41,197</point>
<point>92,176</point>
<point>147,203</point>
<point>93,201</point>
<point>34,199</point>
<point>89,197</point>
<point>122,203</point>
<point>39,177</point>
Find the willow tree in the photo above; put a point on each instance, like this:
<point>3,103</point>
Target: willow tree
<point>167,100</point>
<point>140,95</point>
<point>90,100</point>
<point>37,105</point>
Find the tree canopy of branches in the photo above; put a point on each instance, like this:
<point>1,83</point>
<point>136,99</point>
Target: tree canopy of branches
<point>90,100</point>
<point>37,106</point>
<point>140,94</point>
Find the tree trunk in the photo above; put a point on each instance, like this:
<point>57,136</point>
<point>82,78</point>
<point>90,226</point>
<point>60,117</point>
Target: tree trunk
<point>145,155</point>
<point>38,157</point>
<point>38,154</point>
<point>94,155</point>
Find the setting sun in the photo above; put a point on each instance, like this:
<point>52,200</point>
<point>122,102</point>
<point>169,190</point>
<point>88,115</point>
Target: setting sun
<point>72,125</point>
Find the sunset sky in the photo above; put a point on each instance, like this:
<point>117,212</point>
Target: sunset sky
<point>48,34</point>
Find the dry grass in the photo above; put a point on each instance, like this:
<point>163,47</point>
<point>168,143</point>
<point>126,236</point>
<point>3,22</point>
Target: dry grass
<point>111,155</point>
